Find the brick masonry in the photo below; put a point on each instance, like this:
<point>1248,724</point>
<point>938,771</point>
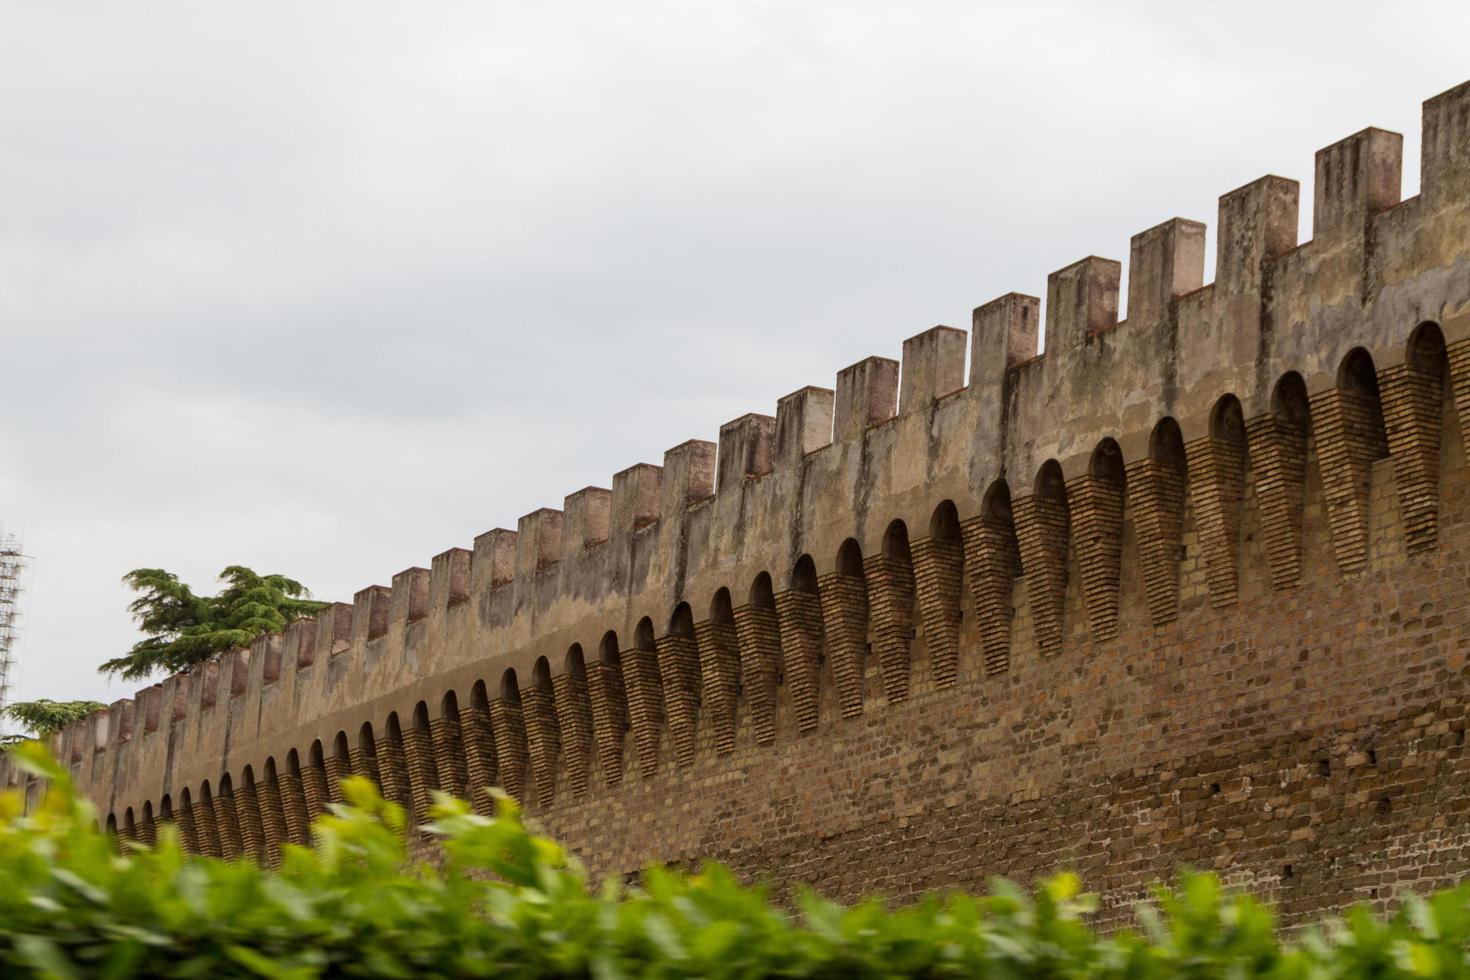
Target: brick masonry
<point>1187,589</point>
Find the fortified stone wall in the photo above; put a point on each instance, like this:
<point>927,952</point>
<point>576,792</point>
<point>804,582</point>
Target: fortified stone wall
<point>1187,589</point>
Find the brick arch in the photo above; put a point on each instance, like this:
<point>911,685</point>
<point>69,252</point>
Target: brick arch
<point>574,718</point>
<point>844,604</point>
<point>890,578</point>
<point>226,820</point>
<point>189,830</point>
<point>419,756</point>
<point>1042,530</point>
<point>678,665</point>
<point>393,763</point>
<point>1278,442</point>
<point>993,558</point>
<point>447,734</point>
<point>303,792</point>
<point>719,668</point>
<point>1095,502</point>
<point>481,764</point>
<point>758,634</point>
<point>799,613</point>
<point>1217,466</point>
<point>1414,395</point>
<point>363,754</point>
<point>272,796</point>
<point>508,728</point>
<point>248,816</point>
<point>609,699</point>
<point>147,825</point>
<point>939,571</point>
<point>1156,487</point>
<point>644,687</point>
<point>1350,437</point>
<point>543,732</point>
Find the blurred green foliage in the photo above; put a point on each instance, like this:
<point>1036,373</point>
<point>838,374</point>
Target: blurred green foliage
<point>508,903</point>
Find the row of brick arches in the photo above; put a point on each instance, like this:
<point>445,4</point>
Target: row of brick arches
<point>637,703</point>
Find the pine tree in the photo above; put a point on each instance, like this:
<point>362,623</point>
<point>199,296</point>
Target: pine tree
<point>182,629</point>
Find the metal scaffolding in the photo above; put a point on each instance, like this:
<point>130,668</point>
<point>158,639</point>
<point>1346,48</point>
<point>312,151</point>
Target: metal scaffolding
<point>11,564</point>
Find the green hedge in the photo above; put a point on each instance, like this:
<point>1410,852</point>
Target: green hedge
<point>507,903</point>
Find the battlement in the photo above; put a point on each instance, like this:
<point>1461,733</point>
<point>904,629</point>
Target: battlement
<point>926,524</point>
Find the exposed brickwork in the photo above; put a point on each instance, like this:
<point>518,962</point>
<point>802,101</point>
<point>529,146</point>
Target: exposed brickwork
<point>1041,533</point>
<point>1458,357</point>
<point>1278,452</point>
<point>248,820</point>
<point>450,758</point>
<point>272,819</point>
<point>1349,433</point>
<point>719,659</point>
<point>392,769</point>
<point>543,741</point>
<point>993,563</point>
<point>423,778</point>
<point>227,827</point>
<point>800,617</point>
<point>1219,627</point>
<point>481,765</point>
<point>679,663</point>
<point>574,721</point>
<point>938,574</point>
<point>1411,415</point>
<point>1216,484</point>
<point>760,654</point>
<point>206,829</point>
<point>184,820</point>
<point>297,808</point>
<point>1097,533</point>
<point>844,600</point>
<point>891,608</point>
<point>508,729</point>
<point>1156,500</point>
<point>609,719</point>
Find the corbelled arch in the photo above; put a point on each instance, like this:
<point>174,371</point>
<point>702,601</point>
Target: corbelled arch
<point>1350,436</point>
<point>844,604</point>
<point>1156,489</point>
<point>1414,395</point>
<point>247,816</point>
<point>609,699</point>
<point>938,567</point>
<point>574,718</point>
<point>1217,467</point>
<point>447,734</point>
<point>226,819</point>
<point>678,664</point>
<point>481,764</point>
<point>799,614</point>
<point>644,686</point>
<point>758,634</point>
<point>418,752</point>
<point>393,764</point>
<point>543,733</point>
<point>1095,502</point>
<point>1042,531</point>
<point>272,812</point>
<point>719,668</point>
<point>890,578</point>
<point>508,729</point>
<point>1278,444</point>
<point>993,559</point>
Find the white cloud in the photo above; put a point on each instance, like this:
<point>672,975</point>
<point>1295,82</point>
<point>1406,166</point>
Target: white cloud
<point>327,289</point>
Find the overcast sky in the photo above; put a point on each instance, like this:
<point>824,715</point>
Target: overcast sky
<point>326,289</point>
